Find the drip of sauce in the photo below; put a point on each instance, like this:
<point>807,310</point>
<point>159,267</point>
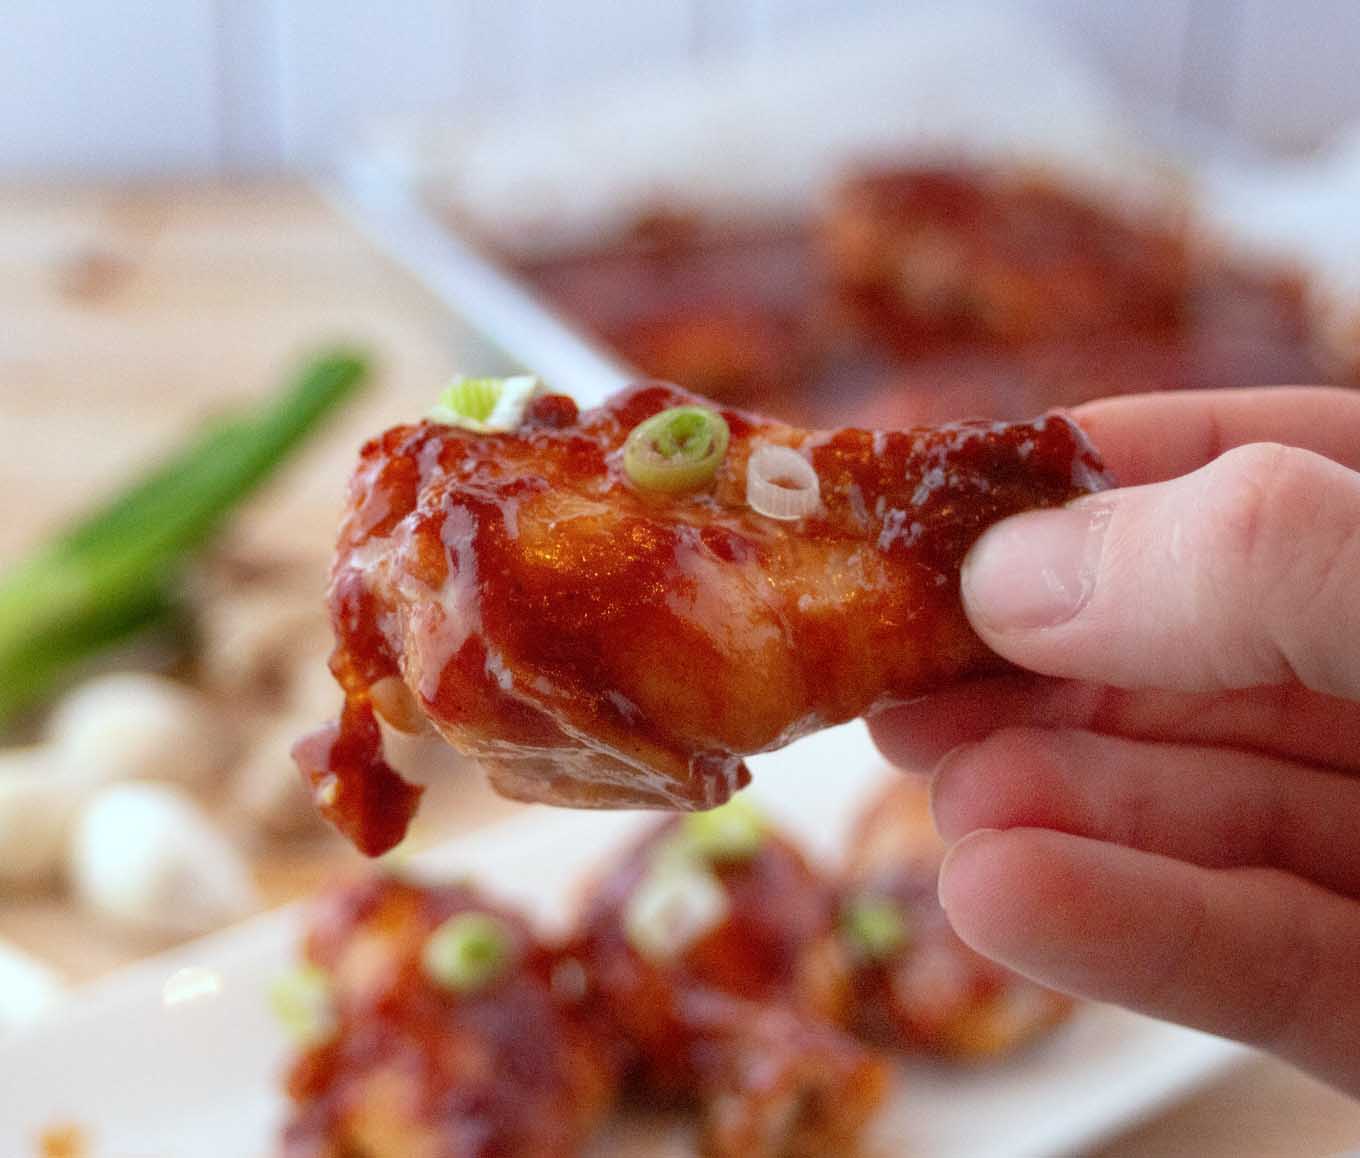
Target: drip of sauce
<point>354,787</point>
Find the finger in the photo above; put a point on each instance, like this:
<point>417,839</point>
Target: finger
<point>1252,954</point>
<point>1214,807</point>
<point>1287,720</point>
<point>1242,574</point>
<point>1150,437</point>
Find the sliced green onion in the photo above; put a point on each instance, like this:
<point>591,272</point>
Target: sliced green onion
<point>875,927</point>
<point>301,1001</point>
<point>676,903</point>
<point>486,405</point>
<point>468,952</point>
<point>675,451</point>
<point>730,833</point>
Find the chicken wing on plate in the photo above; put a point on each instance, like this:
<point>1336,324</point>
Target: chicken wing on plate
<point>916,985</point>
<point>432,1029</point>
<point>712,953</point>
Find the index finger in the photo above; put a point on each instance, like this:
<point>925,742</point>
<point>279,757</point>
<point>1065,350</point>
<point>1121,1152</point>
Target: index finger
<point>1151,437</point>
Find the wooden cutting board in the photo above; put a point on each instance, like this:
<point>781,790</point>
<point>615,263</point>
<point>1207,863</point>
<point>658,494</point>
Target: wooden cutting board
<point>125,314</point>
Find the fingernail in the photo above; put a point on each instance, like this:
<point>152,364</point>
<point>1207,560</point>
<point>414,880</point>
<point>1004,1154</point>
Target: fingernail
<point>939,809</point>
<point>1037,569</point>
<point>960,849</point>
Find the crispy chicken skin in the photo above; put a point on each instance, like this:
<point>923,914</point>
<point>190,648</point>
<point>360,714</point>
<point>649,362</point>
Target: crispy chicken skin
<point>597,645</point>
<point>930,992</point>
<point>410,1069</point>
<point>740,1015</point>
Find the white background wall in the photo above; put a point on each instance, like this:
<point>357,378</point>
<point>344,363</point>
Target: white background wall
<point>134,87</point>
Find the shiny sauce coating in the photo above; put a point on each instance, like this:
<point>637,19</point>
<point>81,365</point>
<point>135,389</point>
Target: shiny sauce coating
<point>931,993</point>
<point>741,1018</point>
<point>595,644</point>
<point>1021,293</point>
<point>412,1069</point>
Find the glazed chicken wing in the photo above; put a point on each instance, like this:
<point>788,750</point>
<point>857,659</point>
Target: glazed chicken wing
<point>731,354</point>
<point>916,985</point>
<point>712,953</point>
<point>1003,256</point>
<point>435,1032</point>
<point>608,611</point>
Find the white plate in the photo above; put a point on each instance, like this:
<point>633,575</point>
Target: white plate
<point>177,1057</point>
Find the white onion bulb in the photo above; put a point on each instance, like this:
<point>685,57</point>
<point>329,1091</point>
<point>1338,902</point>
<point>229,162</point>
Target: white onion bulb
<point>146,857</point>
<point>781,484</point>
<point>133,725</point>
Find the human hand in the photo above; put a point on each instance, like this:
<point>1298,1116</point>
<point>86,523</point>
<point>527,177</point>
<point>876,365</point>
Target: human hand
<point>1168,816</point>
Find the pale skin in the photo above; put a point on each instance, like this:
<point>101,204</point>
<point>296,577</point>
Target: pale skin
<point>1166,814</point>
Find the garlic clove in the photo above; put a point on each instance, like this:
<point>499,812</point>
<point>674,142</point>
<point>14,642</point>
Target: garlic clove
<point>145,857</point>
<point>133,725</point>
<point>28,988</point>
<point>38,801</point>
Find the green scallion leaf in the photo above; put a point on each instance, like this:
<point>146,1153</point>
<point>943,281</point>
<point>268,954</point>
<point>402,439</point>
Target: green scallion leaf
<point>104,577</point>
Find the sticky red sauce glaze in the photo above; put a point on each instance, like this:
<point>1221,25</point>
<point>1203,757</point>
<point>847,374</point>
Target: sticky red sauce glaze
<point>917,294</point>
<point>413,1070</point>
<point>934,994</point>
<point>744,1019</point>
<point>772,946</point>
<point>595,645</point>
<point>993,255</point>
<point>353,786</point>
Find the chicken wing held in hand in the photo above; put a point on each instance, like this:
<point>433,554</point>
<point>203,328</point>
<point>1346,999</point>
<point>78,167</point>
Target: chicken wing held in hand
<point>611,608</point>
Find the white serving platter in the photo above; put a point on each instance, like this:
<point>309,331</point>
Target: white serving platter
<point>177,1057</point>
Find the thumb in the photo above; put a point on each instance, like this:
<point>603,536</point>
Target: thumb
<point>1242,574</point>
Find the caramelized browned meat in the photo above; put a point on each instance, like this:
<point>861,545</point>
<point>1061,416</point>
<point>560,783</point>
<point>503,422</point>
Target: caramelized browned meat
<point>916,985</point>
<point>599,645</point>
<point>776,1085</point>
<point>411,1063</point>
<point>997,255</point>
<point>712,952</point>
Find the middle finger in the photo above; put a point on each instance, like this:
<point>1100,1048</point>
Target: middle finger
<point>1213,807</point>
<point>1289,721</point>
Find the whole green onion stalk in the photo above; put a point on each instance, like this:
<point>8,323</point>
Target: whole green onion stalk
<point>117,570</point>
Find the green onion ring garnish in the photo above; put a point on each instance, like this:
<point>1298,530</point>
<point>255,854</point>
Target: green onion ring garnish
<point>875,927</point>
<point>733,832</point>
<point>302,1003</point>
<point>486,405</point>
<point>468,952</point>
<point>677,450</point>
